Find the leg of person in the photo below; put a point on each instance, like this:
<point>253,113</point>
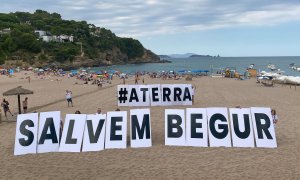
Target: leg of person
<point>10,113</point>
<point>5,114</point>
<point>71,102</point>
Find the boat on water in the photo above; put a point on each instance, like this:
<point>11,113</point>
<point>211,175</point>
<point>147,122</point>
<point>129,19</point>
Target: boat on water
<point>272,67</point>
<point>251,66</point>
<point>294,67</point>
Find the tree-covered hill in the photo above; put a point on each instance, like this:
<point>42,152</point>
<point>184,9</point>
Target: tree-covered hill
<point>87,44</point>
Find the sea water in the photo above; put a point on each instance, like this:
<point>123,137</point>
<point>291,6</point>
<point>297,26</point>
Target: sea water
<point>213,64</point>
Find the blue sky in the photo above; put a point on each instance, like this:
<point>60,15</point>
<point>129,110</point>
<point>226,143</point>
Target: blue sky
<point>225,27</point>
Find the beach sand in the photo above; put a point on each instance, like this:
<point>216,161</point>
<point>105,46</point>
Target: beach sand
<point>159,161</point>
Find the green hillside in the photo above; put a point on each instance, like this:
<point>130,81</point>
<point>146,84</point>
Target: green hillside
<point>19,41</point>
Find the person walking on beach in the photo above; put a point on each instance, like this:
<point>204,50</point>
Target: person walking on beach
<point>69,97</point>
<point>25,105</point>
<point>5,105</point>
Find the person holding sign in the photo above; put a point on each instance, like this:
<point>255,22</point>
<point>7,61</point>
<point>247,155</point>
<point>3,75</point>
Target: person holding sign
<point>274,116</point>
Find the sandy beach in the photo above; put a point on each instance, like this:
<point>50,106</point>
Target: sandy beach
<point>159,161</point>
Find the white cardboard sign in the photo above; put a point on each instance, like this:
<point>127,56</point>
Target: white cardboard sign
<point>116,130</point>
<point>26,134</point>
<point>155,94</point>
<point>72,133</point>
<point>263,127</point>
<point>175,127</point>
<point>94,133</point>
<point>196,127</point>
<point>218,127</point>
<point>49,132</point>
<point>241,127</point>
<point>140,128</point>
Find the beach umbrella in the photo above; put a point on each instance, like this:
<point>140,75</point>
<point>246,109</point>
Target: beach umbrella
<point>197,71</point>
<point>18,91</point>
<point>182,71</point>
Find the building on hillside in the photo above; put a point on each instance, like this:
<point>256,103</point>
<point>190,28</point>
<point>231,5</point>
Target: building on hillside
<point>40,33</point>
<point>65,38</point>
<point>5,31</point>
<point>47,37</point>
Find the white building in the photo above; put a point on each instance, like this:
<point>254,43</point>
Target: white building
<point>5,31</point>
<point>40,33</point>
<point>47,38</point>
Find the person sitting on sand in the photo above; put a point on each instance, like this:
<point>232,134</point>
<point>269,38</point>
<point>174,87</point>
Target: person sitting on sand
<point>5,105</point>
<point>274,116</point>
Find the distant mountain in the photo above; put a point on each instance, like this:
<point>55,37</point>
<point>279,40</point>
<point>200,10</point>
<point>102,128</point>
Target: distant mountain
<point>164,56</point>
<point>196,56</point>
<point>186,55</point>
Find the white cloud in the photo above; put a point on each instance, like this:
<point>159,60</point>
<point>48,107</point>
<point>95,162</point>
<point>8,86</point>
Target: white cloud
<point>149,17</point>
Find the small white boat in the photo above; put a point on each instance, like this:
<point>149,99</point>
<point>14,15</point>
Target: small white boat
<point>272,67</point>
<point>251,66</point>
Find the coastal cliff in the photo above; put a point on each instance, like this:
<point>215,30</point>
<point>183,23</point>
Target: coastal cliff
<point>43,39</point>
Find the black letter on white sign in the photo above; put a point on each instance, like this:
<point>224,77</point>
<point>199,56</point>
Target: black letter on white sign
<point>187,94</point>
<point>177,93</point>
<point>262,127</point>
<point>195,125</point>
<point>49,124</point>
<point>246,133</point>
<point>166,94</point>
<point>94,137</point>
<point>144,93</point>
<point>69,139</point>
<point>141,130</point>
<point>114,128</point>
<point>155,94</point>
<point>133,95</point>
<point>171,126</point>
<point>26,132</point>
<point>224,127</point>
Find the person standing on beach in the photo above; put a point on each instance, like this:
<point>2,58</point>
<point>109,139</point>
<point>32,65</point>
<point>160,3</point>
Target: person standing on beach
<point>25,105</point>
<point>136,78</point>
<point>5,106</point>
<point>69,97</point>
<point>123,79</point>
<point>274,116</point>
<point>193,93</point>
